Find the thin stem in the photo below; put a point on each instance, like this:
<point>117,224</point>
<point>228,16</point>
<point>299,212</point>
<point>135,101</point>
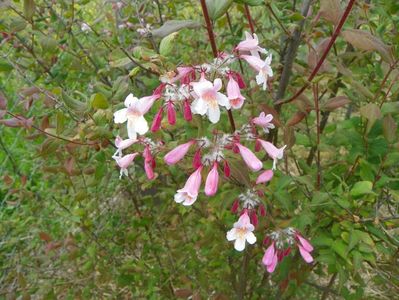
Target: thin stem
<point>250,21</point>
<point>316,105</point>
<point>324,56</point>
<point>269,7</point>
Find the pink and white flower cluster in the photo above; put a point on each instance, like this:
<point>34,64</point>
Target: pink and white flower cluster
<point>210,90</point>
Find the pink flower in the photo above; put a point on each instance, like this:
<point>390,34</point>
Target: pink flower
<point>148,163</point>
<point>264,121</point>
<point>177,153</point>
<point>270,258</point>
<point>187,111</point>
<point>134,114</point>
<point>265,176</point>
<point>226,169</point>
<point>124,162</point>
<point>197,159</point>
<point>242,232</point>
<point>274,152</point>
<point>234,93</point>
<point>156,123</point>
<point>185,75</point>
<point>122,144</point>
<point>250,159</point>
<point>212,181</point>
<point>208,99</point>
<point>189,193</point>
<point>304,248</point>
<point>250,44</point>
<point>171,113</point>
<point>263,67</point>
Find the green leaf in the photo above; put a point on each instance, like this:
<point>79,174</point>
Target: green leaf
<point>166,45</point>
<point>250,2</point>
<point>99,101</point>
<point>389,128</point>
<point>372,113</point>
<point>174,25</point>
<point>361,188</point>
<point>218,8</point>
<point>5,66</point>
<point>29,8</point>
<point>340,248</point>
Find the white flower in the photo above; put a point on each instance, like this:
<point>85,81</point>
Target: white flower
<point>263,67</point>
<point>208,99</point>
<point>134,114</point>
<point>242,232</point>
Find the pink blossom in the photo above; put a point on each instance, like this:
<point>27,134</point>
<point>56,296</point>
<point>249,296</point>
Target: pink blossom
<point>189,193</point>
<point>234,94</point>
<point>262,210</point>
<point>264,121</point>
<point>156,123</point>
<point>263,67</point>
<point>304,243</point>
<point>185,75</point>
<point>124,162</point>
<point>250,159</point>
<point>212,181</point>
<point>270,258</point>
<point>197,159</point>
<point>148,163</point>
<point>265,177</point>
<point>208,99</point>
<point>234,207</point>
<point>134,114</point>
<point>175,155</point>
<point>122,144</point>
<point>171,113</point>
<point>241,232</point>
<point>226,169</point>
<point>274,152</point>
<point>187,111</point>
<point>305,254</point>
<point>250,44</point>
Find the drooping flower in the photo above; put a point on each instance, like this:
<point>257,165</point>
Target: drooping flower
<point>187,111</point>
<point>250,44</point>
<point>305,248</point>
<point>270,258</point>
<point>212,181</point>
<point>265,176</point>
<point>122,144</point>
<point>242,232</point>
<point>234,93</point>
<point>175,155</point>
<point>185,75</point>
<point>249,158</point>
<point>156,123</point>
<point>274,152</point>
<point>171,113</point>
<point>264,121</point>
<point>124,162</point>
<point>189,193</point>
<point>134,114</point>
<point>149,163</point>
<point>208,99</point>
<point>263,67</point>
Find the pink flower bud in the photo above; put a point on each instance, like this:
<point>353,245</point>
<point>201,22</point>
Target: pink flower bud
<point>212,181</point>
<point>226,169</point>
<point>197,159</point>
<point>147,154</point>
<point>244,211</point>
<point>305,254</point>
<point>287,251</point>
<point>258,145</point>
<point>269,255</point>
<point>158,91</point>
<point>254,218</point>
<point>187,111</point>
<point>234,94</point>
<point>280,255</point>
<point>234,207</point>
<point>262,210</point>
<point>238,78</point>
<point>304,243</point>
<point>265,176</point>
<point>171,113</point>
<point>177,153</point>
<point>266,240</point>
<point>156,123</point>
<point>148,170</point>
<point>250,159</point>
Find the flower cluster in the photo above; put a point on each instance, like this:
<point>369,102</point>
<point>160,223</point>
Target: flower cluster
<point>209,90</point>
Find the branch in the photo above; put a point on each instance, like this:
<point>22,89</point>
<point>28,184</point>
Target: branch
<point>324,56</point>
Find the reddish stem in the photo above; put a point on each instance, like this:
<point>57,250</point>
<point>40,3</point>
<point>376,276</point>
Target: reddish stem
<point>248,15</point>
<point>324,56</point>
<point>215,51</point>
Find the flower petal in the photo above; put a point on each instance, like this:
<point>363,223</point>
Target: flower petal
<point>305,255</point>
<point>251,238</point>
<point>239,244</point>
<point>231,235</point>
<point>120,116</point>
<point>141,125</point>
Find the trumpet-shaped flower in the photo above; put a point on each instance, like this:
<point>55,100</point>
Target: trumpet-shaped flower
<point>270,258</point>
<point>134,114</point>
<point>265,176</point>
<point>175,155</point>
<point>208,99</point>
<point>263,67</point>
<point>124,162</point>
<point>189,193</point>
<point>249,158</point>
<point>242,232</point>
<point>274,152</point>
<point>121,145</point>
<point>234,94</point>
<point>212,181</point>
<point>304,248</point>
<point>250,44</point>
<point>264,121</point>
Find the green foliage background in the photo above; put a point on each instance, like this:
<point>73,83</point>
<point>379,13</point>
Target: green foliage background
<point>71,229</point>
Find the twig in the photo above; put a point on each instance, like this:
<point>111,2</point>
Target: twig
<point>250,21</point>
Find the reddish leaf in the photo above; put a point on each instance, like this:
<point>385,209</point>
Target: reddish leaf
<point>335,103</point>
<point>23,180</point>
<point>296,118</point>
<point>315,54</point>
<point>389,128</point>
<point>44,236</point>
<point>183,293</point>
<point>69,165</point>
<point>330,10</point>
<point>45,123</point>
<point>7,179</point>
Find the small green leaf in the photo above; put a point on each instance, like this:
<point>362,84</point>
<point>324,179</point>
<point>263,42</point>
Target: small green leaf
<point>250,2</point>
<point>361,188</point>
<point>29,8</point>
<point>218,8</point>
<point>174,25</point>
<point>166,45</point>
<point>99,101</point>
